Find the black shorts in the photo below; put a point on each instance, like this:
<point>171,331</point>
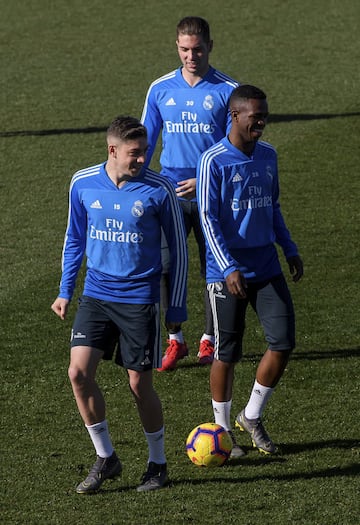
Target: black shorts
<point>132,331</point>
<point>271,300</point>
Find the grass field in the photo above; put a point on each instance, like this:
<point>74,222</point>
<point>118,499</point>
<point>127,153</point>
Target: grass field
<point>67,69</point>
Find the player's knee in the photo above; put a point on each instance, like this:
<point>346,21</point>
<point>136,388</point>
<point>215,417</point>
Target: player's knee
<point>140,385</point>
<point>77,376</point>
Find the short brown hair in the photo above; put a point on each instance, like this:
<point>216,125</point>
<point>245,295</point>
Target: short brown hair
<point>194,25</point>
<point>126,128</point>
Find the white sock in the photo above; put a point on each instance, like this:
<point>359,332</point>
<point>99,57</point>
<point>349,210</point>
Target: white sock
<point>222,413</point>
<point>156,444</point>
<point>207,337</point>
<point>177,337</point>
<point>258,398</point>
<point>100,437</point>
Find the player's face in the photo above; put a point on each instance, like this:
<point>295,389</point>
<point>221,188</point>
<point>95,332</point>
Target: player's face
<point>249,119</point>
<point>194,54</point>
<point>129,157</point>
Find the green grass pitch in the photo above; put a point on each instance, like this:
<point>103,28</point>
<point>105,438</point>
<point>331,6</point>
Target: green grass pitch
<point>67,69</point>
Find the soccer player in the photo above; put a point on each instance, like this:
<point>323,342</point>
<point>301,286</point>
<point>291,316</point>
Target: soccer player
<point>190,106</point>
<point>238,195</point>
<point>117,211</point>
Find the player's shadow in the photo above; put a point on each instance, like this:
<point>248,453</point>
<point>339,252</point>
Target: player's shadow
<point>273,119</point>
<point>312,355</point>
<point>288,449</point>
<point>352,469</point>
<point>296,448</point>
<point>336,353</point>
<point>332,472</point>
<point>277,117</point>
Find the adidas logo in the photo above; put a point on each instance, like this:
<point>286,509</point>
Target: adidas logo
<point>237,178</point>
<point>170,102</point>
<point>96,204</point>
<point>100,430</point>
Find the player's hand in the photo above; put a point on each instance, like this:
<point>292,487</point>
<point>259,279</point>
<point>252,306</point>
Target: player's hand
<point>186,189</point>
<point>296,267</point>
<point>236,284</point>
<point>60,307</point>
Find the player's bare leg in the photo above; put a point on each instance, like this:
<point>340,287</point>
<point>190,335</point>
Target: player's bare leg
<point>89,399</point>
<point>151,415</point>
<point>221,380</point>
<point>268,374</point>
<point>84,361</point>
<point>221,384</point>
<point>147,400</point>
<point>271,367</point>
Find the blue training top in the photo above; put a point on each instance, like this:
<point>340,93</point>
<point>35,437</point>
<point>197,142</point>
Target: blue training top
<point>191,118</point>
<point>119,229</point>
<point>240,212</point>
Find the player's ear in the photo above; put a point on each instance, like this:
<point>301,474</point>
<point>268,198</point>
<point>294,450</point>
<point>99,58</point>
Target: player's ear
<point>112,150</point>
<point>211,44</point>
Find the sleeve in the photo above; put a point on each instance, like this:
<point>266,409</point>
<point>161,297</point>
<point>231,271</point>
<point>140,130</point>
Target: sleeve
<point>172,223</point>
<point>208,193</point>
<point>228,120</point>
<point>282,234</point>
<point>74,244</point>
<point>152,120</point>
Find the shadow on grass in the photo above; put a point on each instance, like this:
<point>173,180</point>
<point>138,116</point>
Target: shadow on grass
<point>339,353</point>
<point>352,469</point>
<point>295,448</point>
<point>273,119</point>
<point>332,472</point>
<point>312,355</point>
<point>287,449</point>
<point>56,131</point>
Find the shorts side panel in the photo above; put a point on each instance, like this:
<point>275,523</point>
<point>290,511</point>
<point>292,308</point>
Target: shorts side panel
<point>229,322</point>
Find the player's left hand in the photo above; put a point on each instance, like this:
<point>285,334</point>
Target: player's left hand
<point>296,267</point>
<point>186,189</point>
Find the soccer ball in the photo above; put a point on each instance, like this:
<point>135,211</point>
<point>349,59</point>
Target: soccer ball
<point>208,445</point>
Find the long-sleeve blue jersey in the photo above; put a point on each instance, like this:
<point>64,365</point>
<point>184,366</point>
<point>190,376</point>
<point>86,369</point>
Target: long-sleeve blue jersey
<point>240,212</point>
<point>191,118</point>
<point>119,229</point>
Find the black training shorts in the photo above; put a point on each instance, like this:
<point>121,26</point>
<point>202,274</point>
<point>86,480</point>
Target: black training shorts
<point>273,305</point>
<point>133,330</point>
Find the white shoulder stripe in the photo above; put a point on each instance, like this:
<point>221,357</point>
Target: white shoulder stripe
<point>267,145</point>
<point>180,270</point>
<point>160,179</point>
<point>163,78</point>
<point>203,198</point>
<point>226,79</point>
<point>87,172</point>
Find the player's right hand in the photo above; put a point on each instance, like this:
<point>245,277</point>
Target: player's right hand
<point>60,307</point>
<point>236,284</point>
